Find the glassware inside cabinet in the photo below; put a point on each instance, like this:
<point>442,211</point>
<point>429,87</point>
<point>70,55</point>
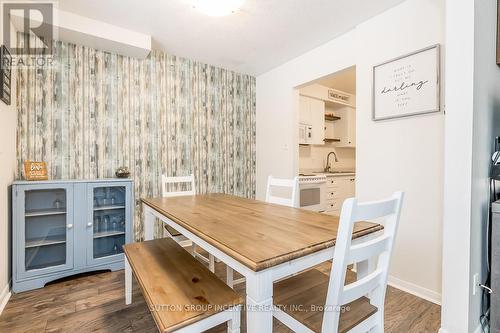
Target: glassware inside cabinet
<point>109,221</point>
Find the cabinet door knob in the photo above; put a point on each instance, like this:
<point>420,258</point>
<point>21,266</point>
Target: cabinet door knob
<point>70,226</point>
<point>89,224</point>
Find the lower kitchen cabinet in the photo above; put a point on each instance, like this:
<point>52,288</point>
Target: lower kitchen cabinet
<point>339,188</point>
<point>61,228</point>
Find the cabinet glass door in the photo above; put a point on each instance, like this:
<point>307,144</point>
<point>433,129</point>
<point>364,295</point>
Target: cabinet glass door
<point>109,222</point>
<point>47,231</point>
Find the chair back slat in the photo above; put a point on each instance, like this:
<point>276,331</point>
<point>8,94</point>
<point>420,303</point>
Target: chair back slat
<point>367,250</point>
<point>291,184</point>
<point>166,181</point>
<point>375,210</point>
<point>378,250</point>
<point>362,287</point>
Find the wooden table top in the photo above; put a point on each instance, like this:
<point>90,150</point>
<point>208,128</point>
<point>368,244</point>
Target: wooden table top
<point>257,234</point>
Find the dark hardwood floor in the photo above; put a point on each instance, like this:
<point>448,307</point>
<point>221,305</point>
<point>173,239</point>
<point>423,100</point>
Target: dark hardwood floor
<point>95,303</point>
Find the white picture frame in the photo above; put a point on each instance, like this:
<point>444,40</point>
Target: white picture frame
<point>408,85</point>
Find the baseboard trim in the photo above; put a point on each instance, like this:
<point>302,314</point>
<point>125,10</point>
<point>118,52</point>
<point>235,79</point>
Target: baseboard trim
<point>413,289</point>
<point>4,297</point>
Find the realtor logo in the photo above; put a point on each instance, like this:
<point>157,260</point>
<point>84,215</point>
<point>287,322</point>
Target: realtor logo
<point>33,20</point>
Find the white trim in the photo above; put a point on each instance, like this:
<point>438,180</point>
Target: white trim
<point>442,330</point>
<point>416,290</point>
<point>4,297</point>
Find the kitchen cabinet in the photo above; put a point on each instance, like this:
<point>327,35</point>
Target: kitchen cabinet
<point>312,113</point>
<point>339,188</point>
<point>61,228</point>
<point>344,129</point>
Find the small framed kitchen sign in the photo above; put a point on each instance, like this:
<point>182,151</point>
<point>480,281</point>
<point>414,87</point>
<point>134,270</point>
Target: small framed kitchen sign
<point>407,86</point>
<point>35,170</point>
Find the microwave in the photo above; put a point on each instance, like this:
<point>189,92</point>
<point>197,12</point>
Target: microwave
<point>305,134</point>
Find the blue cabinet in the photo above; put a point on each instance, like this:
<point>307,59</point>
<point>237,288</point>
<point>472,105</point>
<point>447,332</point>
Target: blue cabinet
<point>61,228</point>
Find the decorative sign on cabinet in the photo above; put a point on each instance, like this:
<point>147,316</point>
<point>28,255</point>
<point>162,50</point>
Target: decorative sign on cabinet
<point>339,97</point>
<point>61,228</point>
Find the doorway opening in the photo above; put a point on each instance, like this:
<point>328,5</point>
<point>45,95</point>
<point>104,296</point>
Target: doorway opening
<point>327,137</point>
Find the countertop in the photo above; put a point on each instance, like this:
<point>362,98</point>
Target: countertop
<point>339,173</point>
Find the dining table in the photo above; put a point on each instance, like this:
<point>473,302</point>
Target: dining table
<point>263,242</point>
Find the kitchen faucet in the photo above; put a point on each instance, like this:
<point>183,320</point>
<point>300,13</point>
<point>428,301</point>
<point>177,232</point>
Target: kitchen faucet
<point>327,168</point>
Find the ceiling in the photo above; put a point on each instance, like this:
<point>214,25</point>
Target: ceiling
<point>255,39</point>
<point>344,80</point>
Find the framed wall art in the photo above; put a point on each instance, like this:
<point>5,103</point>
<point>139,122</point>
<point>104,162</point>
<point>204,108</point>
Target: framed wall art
<point>408,85</point>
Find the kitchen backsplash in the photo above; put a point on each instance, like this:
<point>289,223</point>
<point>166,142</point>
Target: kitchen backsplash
<point>313,158</point>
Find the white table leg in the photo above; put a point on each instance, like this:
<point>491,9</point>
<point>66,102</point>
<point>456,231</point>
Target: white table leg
<point>233,326</point>
<point>149,220</point>
<point>128,282</point>
<point>260,302</point>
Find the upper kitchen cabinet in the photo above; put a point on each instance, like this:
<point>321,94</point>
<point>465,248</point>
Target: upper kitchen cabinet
<point>344,129</point>
<point>312,120</point>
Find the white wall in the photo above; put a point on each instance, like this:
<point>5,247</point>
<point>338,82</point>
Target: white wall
<point>7,174</point>
<point>486,126</point>
<point>404,154</point>
<point>401,154</point>
<point>471,124</point>
<point>473,120</point>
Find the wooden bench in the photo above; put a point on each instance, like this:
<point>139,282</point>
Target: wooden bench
<point>182,294</point>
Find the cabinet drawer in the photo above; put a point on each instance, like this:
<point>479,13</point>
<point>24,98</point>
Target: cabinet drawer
<point>332,182</point>
<point>333,205</point>
<point>330,195</point>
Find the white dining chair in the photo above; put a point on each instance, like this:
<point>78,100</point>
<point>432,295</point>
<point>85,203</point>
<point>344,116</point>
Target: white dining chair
<point>285,185</point>
<point>166,183</point>
<point>353,307</point>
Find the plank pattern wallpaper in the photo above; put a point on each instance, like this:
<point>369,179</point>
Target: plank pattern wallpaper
<point>92,111</point>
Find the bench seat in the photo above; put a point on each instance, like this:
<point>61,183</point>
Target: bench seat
<point>179,290</point>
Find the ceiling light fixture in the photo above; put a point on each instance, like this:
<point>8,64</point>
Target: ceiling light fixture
<point>217,7</point>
